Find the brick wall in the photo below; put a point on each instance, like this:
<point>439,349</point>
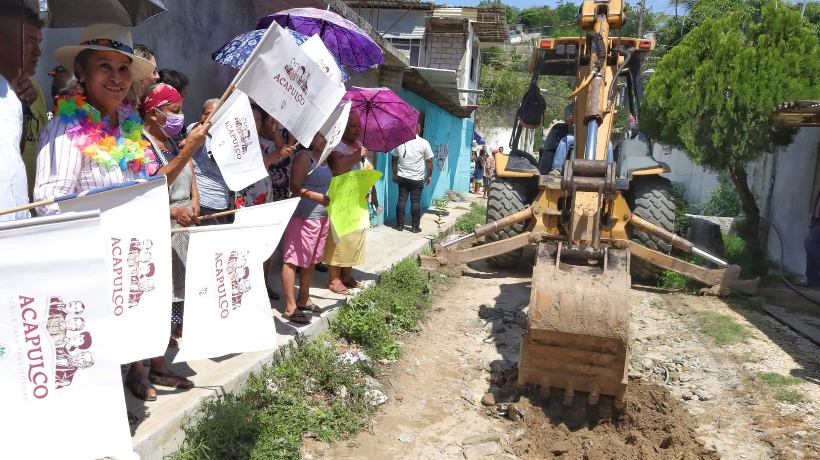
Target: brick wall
<point>445,50</point>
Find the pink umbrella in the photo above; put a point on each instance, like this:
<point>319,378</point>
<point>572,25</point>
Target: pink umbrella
<point>387,121</point>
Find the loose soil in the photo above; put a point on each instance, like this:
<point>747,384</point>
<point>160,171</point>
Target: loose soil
<point>688,398</point>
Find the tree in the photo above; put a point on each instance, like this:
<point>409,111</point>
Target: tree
<point>713,95</point>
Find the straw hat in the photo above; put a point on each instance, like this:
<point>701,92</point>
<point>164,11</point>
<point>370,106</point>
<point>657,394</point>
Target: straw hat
<point>106,37</point>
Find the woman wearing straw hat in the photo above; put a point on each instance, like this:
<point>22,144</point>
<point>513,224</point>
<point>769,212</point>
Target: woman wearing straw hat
<point>74,155</point>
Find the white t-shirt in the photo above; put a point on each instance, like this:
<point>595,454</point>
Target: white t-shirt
<point>412,156</point>
<point>13,183</point>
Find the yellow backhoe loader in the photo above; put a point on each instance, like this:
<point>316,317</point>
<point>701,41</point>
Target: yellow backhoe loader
<point>588,220</point>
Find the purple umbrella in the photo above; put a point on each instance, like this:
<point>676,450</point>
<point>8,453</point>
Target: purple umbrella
<point>237,51</point>
<point>387,121</point>
<point>351,45</point>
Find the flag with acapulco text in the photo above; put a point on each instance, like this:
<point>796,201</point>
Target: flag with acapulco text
<point>286,81</point>
<point>227,309</point>
<point>137,234</point>
<point>59,370</point>
<point>235,143</point>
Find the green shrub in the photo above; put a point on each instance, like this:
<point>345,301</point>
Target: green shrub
<point>738,254</point>
<point>682,221</point>
<point>299,392</point>
<point>476,216</point>
<point>723,201</point>
<point>392,307</point>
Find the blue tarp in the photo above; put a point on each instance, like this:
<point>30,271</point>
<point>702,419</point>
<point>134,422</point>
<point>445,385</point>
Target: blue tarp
<point>479,140</point>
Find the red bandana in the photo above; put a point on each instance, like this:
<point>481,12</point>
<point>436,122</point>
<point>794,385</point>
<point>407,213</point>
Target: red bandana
<point>162,94</point>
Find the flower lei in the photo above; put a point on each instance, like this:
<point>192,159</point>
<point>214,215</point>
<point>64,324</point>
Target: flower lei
<point>124,148</point>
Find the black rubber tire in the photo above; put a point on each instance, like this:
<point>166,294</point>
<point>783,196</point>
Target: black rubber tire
<point>508,195</point>
<point>650,197</point>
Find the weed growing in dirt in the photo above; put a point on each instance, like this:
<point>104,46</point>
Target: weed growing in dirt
<point>393,307</point>
<point>677,282</point>
<point>476,216</point>
<point>306,388</point>
<point>723,329</point>
<point>439,205</point>
<point>779,385</point>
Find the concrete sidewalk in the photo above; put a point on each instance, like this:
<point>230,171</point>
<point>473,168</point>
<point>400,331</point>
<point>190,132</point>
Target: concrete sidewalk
<point>158,433</point>
<point>793,310</point>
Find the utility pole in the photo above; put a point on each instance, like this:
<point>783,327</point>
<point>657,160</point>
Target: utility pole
<point>642,6</point>
<point>803,9</point>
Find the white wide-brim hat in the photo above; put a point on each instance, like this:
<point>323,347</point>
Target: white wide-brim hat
<point>106,37</point>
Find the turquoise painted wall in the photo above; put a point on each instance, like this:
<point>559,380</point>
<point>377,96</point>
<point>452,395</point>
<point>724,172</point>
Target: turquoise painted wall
<point>450,138</point>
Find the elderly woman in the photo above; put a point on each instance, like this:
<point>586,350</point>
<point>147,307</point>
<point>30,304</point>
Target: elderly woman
<point>305,236</point>
<point>73,157</point>
<point>161,107</point>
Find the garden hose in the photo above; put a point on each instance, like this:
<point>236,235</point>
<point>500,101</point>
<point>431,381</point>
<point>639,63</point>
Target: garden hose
<point>782,251</point>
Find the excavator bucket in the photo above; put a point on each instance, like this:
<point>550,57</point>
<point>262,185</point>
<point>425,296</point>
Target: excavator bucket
<point>577,327</point>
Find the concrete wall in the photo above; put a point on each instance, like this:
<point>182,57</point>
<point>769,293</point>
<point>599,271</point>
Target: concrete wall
<point>184,39</point>
<point>445,50</point>
<point>450,138</point>
<point>783,183</point>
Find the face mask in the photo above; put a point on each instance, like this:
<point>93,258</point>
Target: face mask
<point>173,123</point>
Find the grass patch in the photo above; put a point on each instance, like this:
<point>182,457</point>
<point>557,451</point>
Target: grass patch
<point>677,282</point>
<point>476,216</point>
<point>391,308</point>
<point>780,385</point>
<point>738,254</point>
<point>301,391</point>
<point>723,329</point>
<point>306,388</point>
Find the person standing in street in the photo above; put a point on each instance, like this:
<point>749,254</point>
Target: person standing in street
<point>410,161</point>
<point>489,170</point>
<point>478,172</point>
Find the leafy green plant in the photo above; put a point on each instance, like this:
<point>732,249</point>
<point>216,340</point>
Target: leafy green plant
<point>682,221</point>
<point>737,253</point>
<point>439,205</point>
<point>677,282</point>
<point>476,216</point>
<point>723,201</point>
<point>723,329</point>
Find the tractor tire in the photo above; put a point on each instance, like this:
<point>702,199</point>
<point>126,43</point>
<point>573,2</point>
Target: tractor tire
<point>508,195</point>
<point>651,197</point>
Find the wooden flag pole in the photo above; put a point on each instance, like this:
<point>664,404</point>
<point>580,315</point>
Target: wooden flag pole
<point>24,207</point>
<point>219,104</point>
<point>219,214</point>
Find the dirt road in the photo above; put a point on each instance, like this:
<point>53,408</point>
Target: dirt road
<point>453,393</point>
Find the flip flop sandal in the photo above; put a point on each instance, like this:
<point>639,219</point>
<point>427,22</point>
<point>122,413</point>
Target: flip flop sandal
<point>298,318</point>
<point>338,291</point>
<point>169,379</point>
<point>272,294</point>
<point>313,308</point>
<point>139,388</point>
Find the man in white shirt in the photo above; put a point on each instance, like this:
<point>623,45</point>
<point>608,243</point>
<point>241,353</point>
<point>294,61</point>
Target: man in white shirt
<point>409,161</point>
<point>13,184</point>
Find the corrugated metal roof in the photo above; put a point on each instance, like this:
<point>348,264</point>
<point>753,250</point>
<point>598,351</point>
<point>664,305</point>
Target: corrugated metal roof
<point>443,80</point>
<point>798,113</point>
<point>411,26</point>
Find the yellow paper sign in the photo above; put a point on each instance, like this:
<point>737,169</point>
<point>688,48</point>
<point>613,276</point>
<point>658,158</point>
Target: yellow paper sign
<point>348,203</point>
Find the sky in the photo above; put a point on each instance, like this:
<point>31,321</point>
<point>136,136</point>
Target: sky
<point>655,5</point>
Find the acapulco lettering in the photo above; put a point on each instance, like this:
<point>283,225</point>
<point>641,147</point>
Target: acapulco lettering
<point>36,366</point>
<point>221,289</point>
<point>117,297</point>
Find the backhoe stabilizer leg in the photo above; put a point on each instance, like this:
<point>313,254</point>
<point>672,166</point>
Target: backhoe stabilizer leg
<point>719,281</point>
<point>450,261</point>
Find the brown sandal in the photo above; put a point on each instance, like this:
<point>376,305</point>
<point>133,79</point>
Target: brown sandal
<point>298,317</point>
<point>169,379</point>
<point>338,291</point>
<point>139,388</point>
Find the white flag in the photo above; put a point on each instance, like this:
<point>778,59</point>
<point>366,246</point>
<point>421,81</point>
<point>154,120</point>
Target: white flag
<point>334,128</point>
<point>235,143</point>
<point>227,309</point>
<point>316,49</point>
<point>137,233</point>
<point>288,84</point>
<point>60,376</point>
<point>269,214</point>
